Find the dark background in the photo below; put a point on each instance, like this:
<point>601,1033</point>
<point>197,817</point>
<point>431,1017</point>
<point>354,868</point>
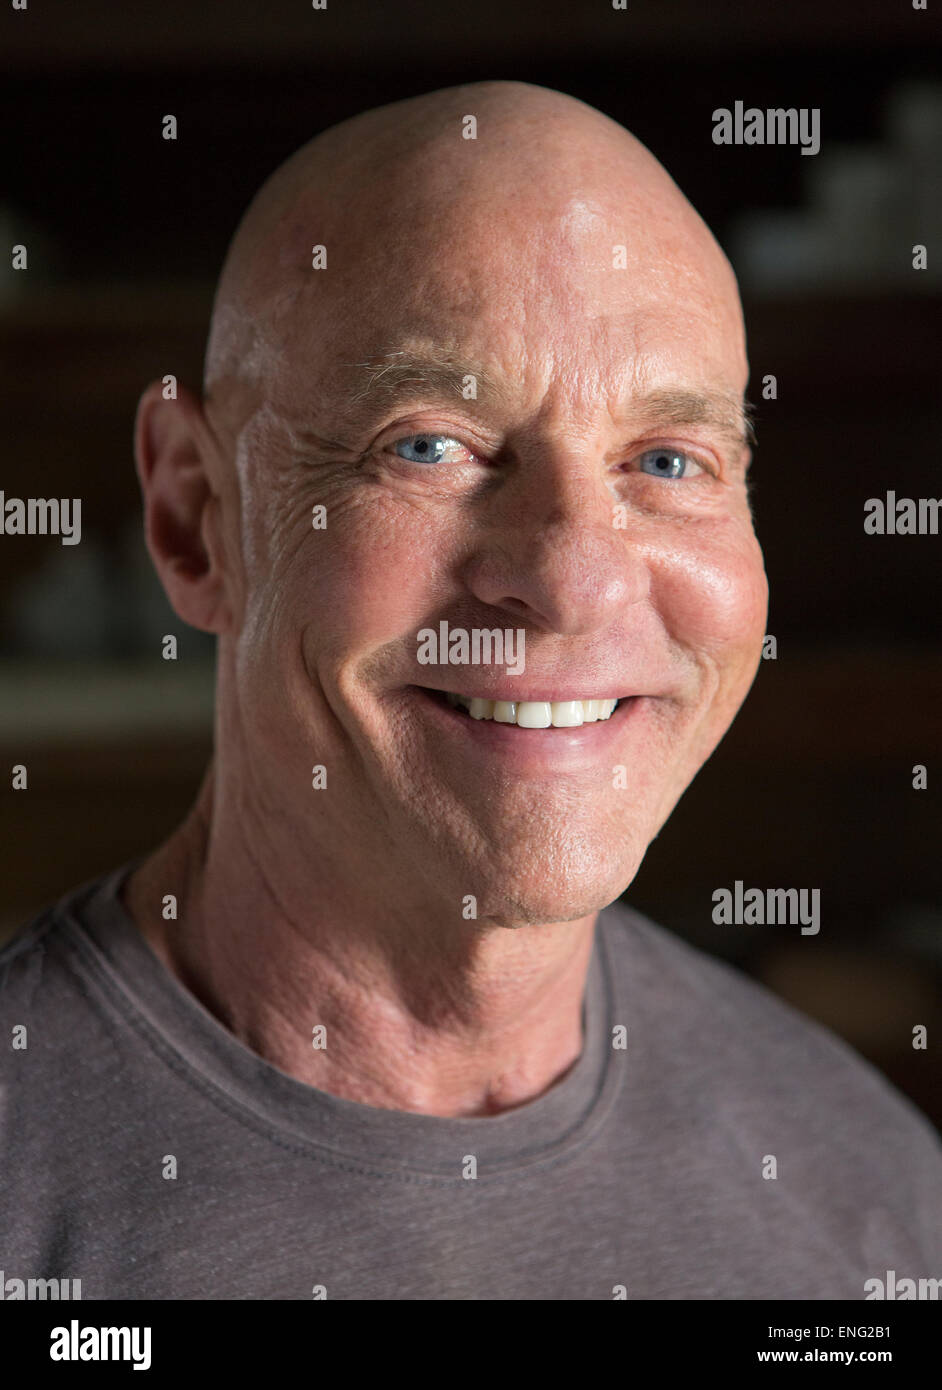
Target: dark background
<point>126,233</point>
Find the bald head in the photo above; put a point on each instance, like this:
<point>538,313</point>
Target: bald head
<point>397,194</point>
<point>510,399</point>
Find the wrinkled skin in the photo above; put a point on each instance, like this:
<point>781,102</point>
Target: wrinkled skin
<point>345,905</point>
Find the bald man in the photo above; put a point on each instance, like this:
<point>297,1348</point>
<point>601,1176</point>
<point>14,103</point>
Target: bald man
<point>366,1026</point>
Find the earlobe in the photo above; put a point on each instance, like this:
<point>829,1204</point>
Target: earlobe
<point>169,446</point>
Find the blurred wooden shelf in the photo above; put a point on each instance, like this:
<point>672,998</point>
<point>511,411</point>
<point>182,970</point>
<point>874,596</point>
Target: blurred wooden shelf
<point>83,703</point>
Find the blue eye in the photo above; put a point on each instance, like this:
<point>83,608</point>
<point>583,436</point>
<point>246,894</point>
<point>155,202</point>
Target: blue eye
<point>424,448</point>
<point>668,463</point>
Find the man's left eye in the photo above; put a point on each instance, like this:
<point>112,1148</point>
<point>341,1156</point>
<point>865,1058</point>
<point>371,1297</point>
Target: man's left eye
<point>427,448</point>
<point>669,463</point>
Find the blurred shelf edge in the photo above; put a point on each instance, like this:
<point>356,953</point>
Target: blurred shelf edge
<point>43,703</point>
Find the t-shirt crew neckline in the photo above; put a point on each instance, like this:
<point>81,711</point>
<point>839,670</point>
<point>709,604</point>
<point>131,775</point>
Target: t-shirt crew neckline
<point>112,951</point>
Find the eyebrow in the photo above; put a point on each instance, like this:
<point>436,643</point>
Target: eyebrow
<point>390,375</point>
<point>727,413</point>
<point>396,375</point>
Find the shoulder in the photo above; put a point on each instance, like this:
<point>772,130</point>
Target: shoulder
<point>24,955</point>
<point>749,1048</point>
<point>43,965</point>
<point>739,1088</point>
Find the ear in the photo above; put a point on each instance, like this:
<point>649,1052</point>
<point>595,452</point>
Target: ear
<point>183,516</point>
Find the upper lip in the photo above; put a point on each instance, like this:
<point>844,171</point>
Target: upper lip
<point>555,694</point>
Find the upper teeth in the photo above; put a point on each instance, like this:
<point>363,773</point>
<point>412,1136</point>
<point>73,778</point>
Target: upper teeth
<point>537,714</point>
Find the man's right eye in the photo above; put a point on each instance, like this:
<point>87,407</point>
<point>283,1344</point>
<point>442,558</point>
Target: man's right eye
<point>427,448</point>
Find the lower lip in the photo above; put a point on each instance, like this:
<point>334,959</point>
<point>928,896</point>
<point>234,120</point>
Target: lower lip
<point>515,745</point>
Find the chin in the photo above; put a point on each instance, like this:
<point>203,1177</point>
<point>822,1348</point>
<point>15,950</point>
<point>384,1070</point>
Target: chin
<point>542,909</point>
<point>564,888</point>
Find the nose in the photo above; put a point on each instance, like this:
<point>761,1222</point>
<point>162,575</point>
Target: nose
<point>549,553</point>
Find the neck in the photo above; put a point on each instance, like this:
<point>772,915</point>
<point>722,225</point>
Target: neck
<point>413,1013</point>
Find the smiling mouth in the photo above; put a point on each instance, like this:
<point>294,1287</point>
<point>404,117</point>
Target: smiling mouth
<point>531,714</point>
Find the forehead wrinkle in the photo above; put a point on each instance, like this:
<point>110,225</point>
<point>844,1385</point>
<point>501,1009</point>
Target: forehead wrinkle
<point>400,375</point>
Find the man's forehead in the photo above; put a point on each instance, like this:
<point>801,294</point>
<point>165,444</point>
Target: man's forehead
<point>374,345</point>
<point>425,372</point>
<point>498,321</point>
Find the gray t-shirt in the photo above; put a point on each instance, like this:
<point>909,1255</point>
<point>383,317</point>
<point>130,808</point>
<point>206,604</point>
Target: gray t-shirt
<point>645,1172</point>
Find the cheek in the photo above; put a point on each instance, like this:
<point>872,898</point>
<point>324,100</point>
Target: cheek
<point>376,573</point>
<point>713,594</point>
